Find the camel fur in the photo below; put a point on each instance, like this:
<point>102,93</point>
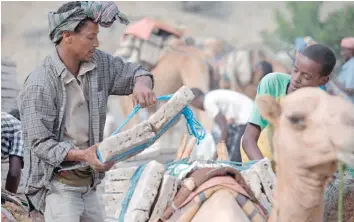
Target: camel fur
<point>312,131</point>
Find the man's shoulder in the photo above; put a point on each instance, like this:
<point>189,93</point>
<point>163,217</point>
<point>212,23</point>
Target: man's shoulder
<point>43,75</point>
<point>100,56</point>
<point>7,120</point>
<point>276,77</point>
<point>274,84</point>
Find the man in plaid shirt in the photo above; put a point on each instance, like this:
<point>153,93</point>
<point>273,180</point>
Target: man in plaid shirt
<point>12,149</point>
<point>63,111</point>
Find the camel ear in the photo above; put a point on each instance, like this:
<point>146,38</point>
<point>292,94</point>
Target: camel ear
<point>269,108</point>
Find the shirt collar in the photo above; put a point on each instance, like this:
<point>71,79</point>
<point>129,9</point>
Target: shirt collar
<point>84,68</point>
<point>60,66</point>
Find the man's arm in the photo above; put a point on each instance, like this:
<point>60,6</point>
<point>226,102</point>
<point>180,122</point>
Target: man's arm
<point>249,142</point>
<point>222,123</point>
<point>126,75</point>
<point>257,123</point>
<point>14,173</point>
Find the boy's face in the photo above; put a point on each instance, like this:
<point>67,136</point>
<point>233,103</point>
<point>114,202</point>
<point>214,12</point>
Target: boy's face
<point>306,73</point>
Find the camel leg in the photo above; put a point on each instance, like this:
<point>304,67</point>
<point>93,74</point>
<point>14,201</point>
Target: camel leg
<point>221,206</point>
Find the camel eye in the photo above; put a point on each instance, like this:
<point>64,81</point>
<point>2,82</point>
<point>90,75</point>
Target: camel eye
<point>298,121</point>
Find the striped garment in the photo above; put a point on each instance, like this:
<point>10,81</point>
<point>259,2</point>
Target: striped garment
<point>203,179</point>
<point>11,136</point>
<point>189,210</point>
<point>103,13</point>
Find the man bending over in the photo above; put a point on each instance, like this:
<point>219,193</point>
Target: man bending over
<point>231,111</point>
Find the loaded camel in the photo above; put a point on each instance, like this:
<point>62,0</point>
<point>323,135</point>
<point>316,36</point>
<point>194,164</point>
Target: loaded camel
<point>309,140</point>
<point>237,65</point>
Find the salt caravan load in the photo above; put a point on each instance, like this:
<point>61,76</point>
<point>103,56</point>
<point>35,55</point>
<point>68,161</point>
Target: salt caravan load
<point>186,188</point>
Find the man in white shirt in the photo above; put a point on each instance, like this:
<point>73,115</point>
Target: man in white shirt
<point>231,111</point>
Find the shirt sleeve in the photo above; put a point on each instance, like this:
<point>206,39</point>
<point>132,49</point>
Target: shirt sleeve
<point>264,88</point>
<point>347,75</point>
<point>124,76</point>
<point>17,143</point>
<point>210,105</point>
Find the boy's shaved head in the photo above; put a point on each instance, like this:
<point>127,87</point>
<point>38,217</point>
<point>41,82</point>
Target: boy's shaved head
<point>322,55</point>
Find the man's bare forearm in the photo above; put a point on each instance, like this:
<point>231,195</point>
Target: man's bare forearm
<point>252,150</point>
<point>14,174</point>
<point>249,142</point>
<point>222,123</point>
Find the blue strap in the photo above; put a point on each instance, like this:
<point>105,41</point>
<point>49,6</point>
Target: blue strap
<point>193,127</point>
<point>133,182</point>
<point>135,110</point>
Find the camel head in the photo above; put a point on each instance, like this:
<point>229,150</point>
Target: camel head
<point>312,129</point>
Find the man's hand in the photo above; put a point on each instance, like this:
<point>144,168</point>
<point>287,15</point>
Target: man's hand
<point>91,158</point>
<point>143,93</point>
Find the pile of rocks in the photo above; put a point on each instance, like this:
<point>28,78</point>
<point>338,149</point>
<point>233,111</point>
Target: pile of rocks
<point>9,86</point>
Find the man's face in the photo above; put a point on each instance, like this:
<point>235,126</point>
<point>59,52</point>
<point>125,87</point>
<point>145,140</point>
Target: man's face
<point>306,73</point>
<point>346,53</point>
<point>84,43</point>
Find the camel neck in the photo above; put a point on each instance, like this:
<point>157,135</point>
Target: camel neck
<point>297,200</point>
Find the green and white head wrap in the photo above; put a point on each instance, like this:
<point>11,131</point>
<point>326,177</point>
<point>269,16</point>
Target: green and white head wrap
<point>103,13</point>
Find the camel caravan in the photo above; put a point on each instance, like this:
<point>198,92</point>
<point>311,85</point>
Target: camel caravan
<point>290,187</point>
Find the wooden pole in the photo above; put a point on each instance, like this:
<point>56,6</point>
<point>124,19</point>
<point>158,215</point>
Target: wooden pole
<point>182,147</point>
<point>189,148</point>
<point>221,150</point>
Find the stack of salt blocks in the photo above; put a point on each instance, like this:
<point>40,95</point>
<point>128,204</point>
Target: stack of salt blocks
<point>117,181</point>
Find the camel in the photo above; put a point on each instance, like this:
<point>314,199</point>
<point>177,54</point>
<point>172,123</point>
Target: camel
<point>308,142</point>
<point>237,65</point>
<point>179,65</point>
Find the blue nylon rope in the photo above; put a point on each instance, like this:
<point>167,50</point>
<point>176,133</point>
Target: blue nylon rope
<point>133,182</point>
<point>193,127</point>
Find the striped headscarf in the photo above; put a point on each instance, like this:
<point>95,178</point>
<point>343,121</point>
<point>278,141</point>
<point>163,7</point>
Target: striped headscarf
<point>103,13</point>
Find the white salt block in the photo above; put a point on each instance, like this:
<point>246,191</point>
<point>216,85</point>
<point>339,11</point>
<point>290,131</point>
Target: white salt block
<point>113,203</point>
<point>125,141</point>
<point>145,193</point>
<point>167,192</point>
<point>169,110</point>
<point>267,176</point>
<point>120,173</point>
<point>261,179</point>
<point>120,186</point>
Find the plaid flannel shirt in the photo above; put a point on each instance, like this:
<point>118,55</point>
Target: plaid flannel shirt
<point>11,136</point>
<point>42,106</point>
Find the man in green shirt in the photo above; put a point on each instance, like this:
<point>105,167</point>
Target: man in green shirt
<point>311,69</point>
